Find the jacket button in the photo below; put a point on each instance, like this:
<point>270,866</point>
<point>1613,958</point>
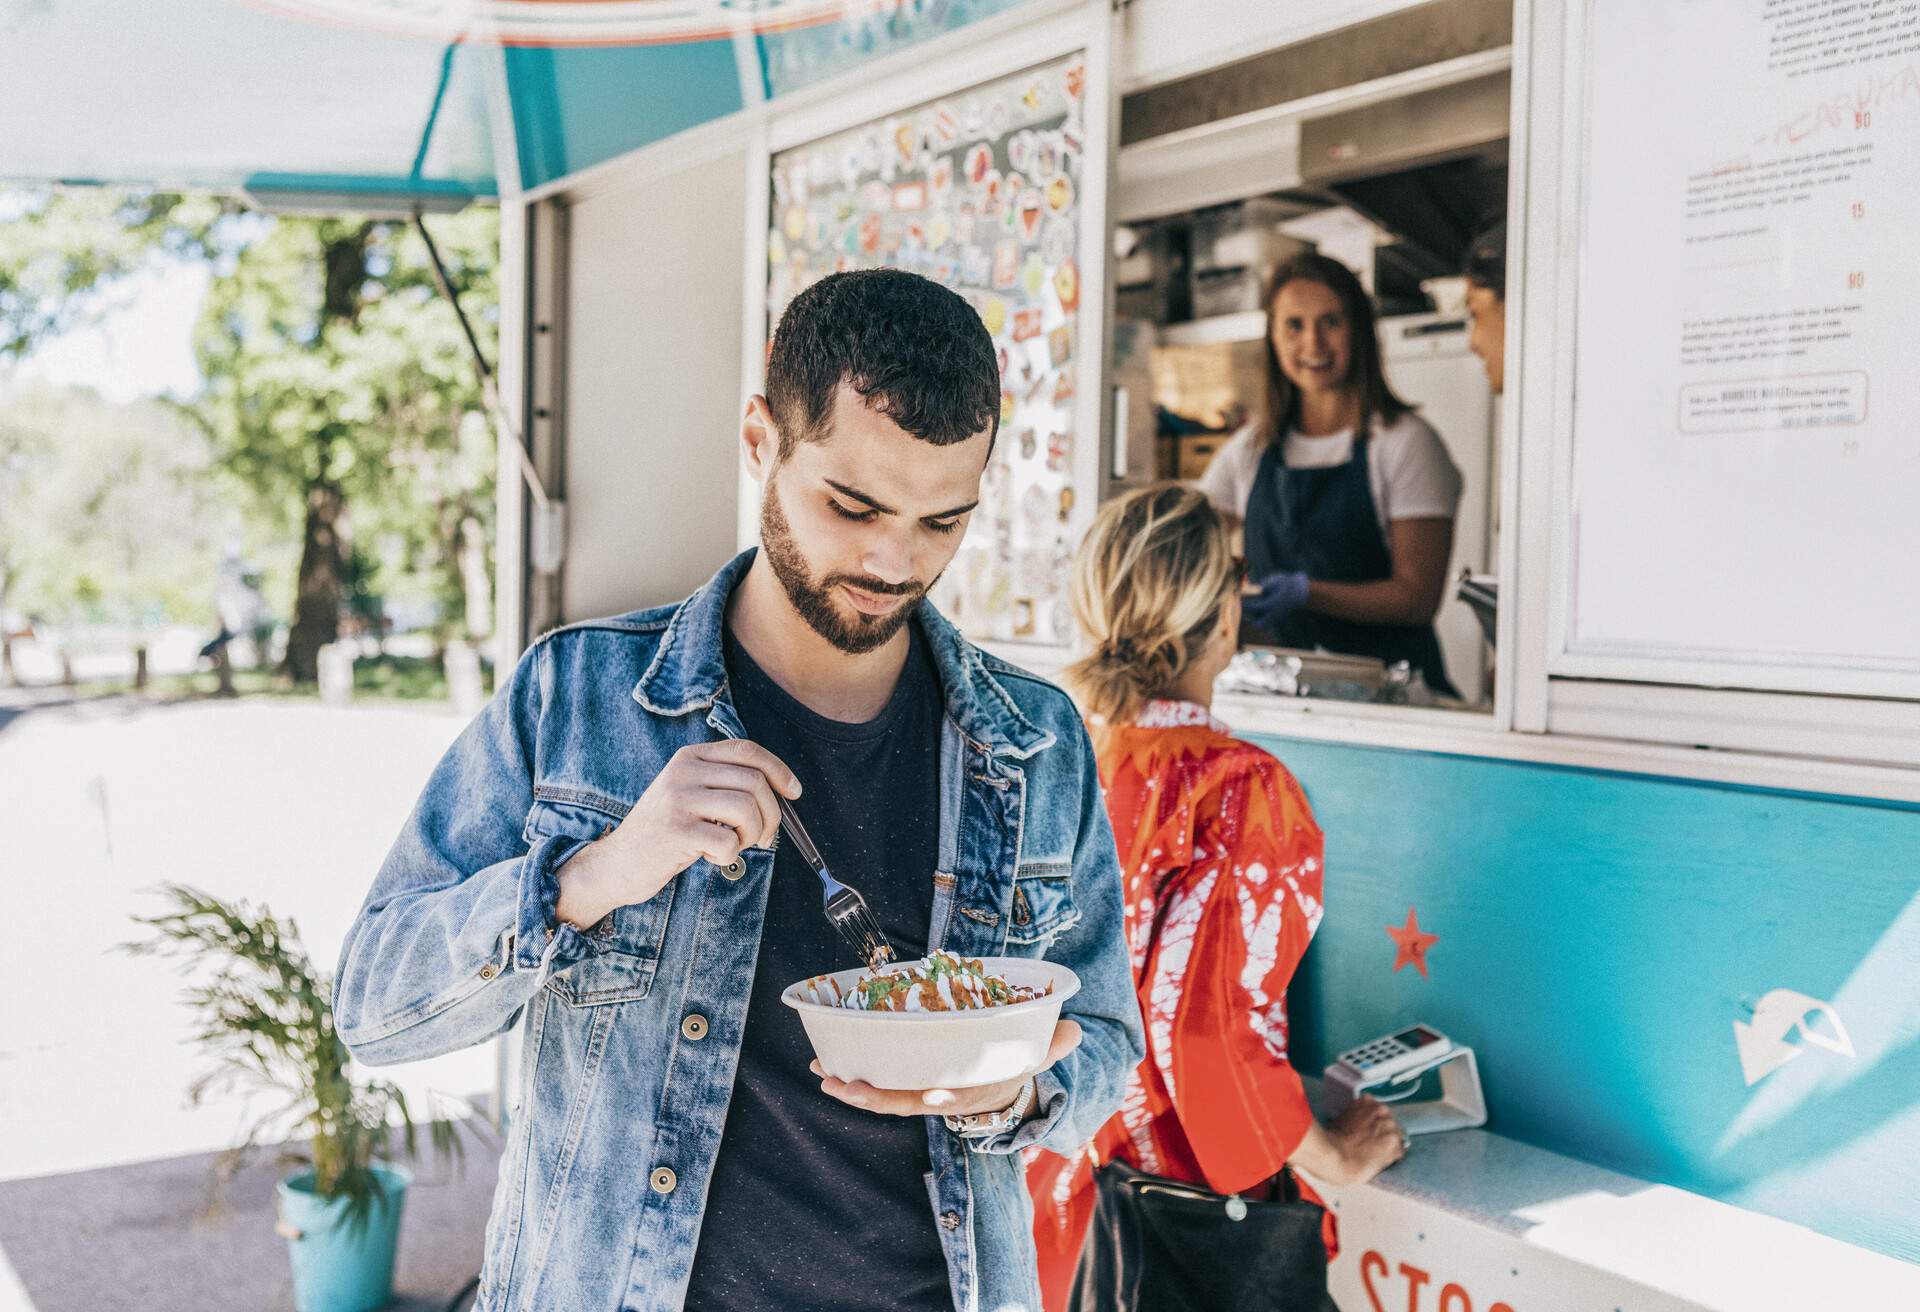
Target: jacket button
<point>489,970</point>
<point>734,868</point>
<point>950,1220</point>
<point>663,1180</point>
<point>694,1027</point>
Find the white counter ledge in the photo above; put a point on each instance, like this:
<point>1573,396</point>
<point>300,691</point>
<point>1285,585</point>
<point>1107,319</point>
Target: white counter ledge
<point>1474,1222</point>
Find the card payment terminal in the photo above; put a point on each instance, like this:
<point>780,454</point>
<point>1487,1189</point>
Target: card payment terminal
<point>1393,1068</point>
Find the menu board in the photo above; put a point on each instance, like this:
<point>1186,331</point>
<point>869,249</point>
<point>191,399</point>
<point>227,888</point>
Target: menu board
<point>980,192</point>
<point>1747,416</point>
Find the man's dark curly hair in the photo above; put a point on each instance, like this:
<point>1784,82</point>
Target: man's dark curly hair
<point>914,351</point>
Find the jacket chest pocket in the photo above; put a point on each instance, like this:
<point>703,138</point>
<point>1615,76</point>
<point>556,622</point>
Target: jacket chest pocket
<point>1042,907</point>
<point>627,942</point>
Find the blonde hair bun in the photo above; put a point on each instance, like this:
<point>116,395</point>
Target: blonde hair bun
<point>1148,585</point>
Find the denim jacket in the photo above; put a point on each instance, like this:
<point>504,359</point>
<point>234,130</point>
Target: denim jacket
<point>633,1028</point>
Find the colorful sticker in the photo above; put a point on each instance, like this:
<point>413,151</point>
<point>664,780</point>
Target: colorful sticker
<point>1029,443</point>
<point>1060,346</point>
<point>910,197</point>
<point>979,164</point>
<point>1020,149</point>
<point>796,225</point>
<point>1035,98</point>
<point>1076,80</point>
<point>1033,274</point>
<point>940,177</point>
<point>1059,193</point>
<point>1030,216</point>
<point>1066,285</point>
<point>1059,450</point>
<point>1066,503</point>
<point>939,230</point>
<point>1006,264</point>
<point>1063,389</point>
<point>1006,407</point>
<point>1046,161</point>
<point>1026,325</point>
<point>994,315</point>
<point>870,234</point>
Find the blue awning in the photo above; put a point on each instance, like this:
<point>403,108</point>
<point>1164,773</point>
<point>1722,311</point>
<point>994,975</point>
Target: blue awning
<point>321,101</point>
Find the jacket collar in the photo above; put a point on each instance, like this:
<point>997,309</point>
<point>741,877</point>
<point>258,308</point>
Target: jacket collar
<point>689,670</point>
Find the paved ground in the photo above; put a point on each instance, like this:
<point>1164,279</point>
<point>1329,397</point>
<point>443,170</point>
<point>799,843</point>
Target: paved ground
<point>292,805</point>
<point>127,1239</point>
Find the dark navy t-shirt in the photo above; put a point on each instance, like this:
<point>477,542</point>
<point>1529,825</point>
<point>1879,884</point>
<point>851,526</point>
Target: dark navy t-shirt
<point>815,1204</point>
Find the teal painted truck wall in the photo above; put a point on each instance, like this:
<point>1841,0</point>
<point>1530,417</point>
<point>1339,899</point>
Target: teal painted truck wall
<point>1598,936</point>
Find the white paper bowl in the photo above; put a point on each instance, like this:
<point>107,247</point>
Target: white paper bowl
<point>938,1049</point>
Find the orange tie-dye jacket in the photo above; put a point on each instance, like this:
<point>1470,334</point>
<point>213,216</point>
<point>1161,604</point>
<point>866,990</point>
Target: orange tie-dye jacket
<point>1219,849</point>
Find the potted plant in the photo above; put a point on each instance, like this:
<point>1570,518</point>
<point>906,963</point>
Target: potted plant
<point>267,1019</point>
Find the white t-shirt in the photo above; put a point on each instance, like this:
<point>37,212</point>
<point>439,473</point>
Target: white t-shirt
<point>1408,468</point>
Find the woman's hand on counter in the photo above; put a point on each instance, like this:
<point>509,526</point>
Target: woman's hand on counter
<point>1357,1145</point>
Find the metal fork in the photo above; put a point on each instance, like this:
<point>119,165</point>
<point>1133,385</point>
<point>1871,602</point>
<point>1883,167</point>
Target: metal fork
<point>846,909</point>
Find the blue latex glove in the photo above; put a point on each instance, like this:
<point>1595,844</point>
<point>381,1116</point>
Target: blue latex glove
<point>1280,595</point>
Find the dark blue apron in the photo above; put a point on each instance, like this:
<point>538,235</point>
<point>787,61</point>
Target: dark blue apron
<point>1323,521</point>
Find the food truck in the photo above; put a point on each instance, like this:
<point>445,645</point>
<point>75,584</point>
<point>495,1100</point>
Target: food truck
<point>1661,829</point>
<point>1664,844</point>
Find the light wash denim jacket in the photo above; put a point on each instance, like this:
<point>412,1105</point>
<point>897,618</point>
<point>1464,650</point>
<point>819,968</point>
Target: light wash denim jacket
<point>633,1028</point>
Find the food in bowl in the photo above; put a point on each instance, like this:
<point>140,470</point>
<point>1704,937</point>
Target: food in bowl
<point>949,1048</point>
<point>940,981</point>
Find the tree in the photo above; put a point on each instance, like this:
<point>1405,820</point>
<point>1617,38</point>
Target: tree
<point>111,519</point>
<point>337,378</point>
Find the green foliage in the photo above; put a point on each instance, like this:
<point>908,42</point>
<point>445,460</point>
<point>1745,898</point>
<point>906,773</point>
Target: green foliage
<point>330,360</point>
<point>60,249</point>
<point>266,1018</point>
<point>110,512</point>
<point>372,403</point>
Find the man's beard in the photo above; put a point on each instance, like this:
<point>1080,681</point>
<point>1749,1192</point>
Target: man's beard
<point>815,601</point>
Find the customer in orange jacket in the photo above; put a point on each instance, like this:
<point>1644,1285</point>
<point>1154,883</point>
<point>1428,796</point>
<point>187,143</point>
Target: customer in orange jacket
<point>1221,863</point>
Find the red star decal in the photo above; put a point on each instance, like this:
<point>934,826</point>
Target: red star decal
<point>1412,944</point>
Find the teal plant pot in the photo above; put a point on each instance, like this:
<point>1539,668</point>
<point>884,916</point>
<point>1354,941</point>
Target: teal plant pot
<point>337,1267</point>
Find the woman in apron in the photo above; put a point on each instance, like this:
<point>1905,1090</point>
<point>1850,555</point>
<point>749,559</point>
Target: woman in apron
<point>1347,496</point>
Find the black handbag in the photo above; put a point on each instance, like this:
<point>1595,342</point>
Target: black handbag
<point>1159,1245</point>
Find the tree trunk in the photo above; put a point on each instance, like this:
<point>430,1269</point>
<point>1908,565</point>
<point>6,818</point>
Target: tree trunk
<point>317,598</point>
<point>322,584</point>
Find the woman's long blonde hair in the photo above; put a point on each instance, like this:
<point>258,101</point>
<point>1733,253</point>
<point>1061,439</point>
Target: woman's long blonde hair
<point>1149,582</point>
